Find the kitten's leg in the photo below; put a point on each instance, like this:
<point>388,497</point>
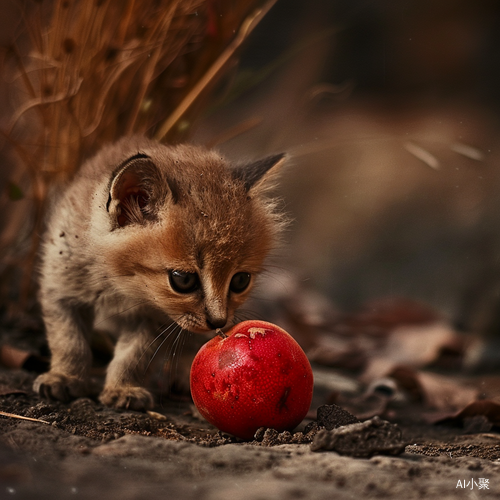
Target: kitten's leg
<point>126,371</point>
<point>180,358</point>
<point>71,358</point>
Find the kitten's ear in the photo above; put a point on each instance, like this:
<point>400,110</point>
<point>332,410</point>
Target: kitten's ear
<point>136,190</point>
<point>259,172</point>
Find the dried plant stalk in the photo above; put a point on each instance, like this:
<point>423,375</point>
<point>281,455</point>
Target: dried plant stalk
<point>20,417</point>
<point>93,71</point>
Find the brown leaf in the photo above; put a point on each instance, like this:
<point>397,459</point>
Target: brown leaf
<point>444,392</point>
<point>14,358</point>
<point>5,390</point>
<point>436,391</point>
<point>412,346</point>
<point>418,345</point>
<point>340,352</point>
<point>366,406</point>
<point>11,357</point>
<point>485,407</point>
<point>380,316</point>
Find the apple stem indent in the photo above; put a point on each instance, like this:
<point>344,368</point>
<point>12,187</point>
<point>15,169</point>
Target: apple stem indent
<point>220,333</point>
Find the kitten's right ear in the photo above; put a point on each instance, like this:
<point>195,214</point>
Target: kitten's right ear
<point>259,172</point>
<point>136,190</point>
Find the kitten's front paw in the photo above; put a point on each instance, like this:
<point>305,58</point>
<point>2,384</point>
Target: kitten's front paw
<point>128,397</point>
<point>53,385</point>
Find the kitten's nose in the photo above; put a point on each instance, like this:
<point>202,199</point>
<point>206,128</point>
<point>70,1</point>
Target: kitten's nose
<point>214,323</point>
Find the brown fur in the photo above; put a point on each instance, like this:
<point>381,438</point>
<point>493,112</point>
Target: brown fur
<point>135,212</point>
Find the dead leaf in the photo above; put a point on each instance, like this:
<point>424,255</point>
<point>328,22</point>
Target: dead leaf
<point>383,315</point>
<point>433,391</point>
<point>14,358</point>
<point>338,351</point>
<point>377,368</point>
<point>445,392</point>
<point>418,345</point>
<point>5,390</point>
<point>11,357</point>
<point>485,407</point>
<point>366,406</point>
<point>436,391</point>
<point>412,346</point>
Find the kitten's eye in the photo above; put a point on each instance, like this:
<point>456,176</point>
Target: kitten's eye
<point>183,282</point>
<point>239,282</point>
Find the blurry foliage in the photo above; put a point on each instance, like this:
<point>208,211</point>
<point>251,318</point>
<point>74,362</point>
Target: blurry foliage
<point>80,74</point>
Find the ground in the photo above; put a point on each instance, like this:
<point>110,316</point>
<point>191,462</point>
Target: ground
<point>84,450</point>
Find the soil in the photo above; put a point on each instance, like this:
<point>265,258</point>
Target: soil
<point>85,450</point>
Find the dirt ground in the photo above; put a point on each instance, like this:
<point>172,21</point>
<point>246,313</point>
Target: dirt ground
<point>84,450</point>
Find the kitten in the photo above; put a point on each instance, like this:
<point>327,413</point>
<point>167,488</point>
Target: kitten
<point>147,235</point>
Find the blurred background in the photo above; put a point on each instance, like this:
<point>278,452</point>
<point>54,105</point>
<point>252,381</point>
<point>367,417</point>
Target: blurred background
<point>389,112</point>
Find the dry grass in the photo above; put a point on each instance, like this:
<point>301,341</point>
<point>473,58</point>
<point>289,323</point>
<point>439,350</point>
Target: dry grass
<point>84,73</point>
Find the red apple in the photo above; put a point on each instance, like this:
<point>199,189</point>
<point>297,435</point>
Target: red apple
<point>255,375</point>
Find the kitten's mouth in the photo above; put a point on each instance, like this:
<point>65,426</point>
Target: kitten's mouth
<point>193,328</point>
<point>203,330</point>
<point>196,329</point>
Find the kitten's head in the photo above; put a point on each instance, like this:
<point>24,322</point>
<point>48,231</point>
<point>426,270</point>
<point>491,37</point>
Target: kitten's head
<point>188,232</point>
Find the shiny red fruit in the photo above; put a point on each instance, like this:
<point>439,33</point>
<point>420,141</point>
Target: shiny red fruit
<point>257,376</point>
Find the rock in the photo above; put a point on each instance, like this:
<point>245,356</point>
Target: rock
<point>333,416</point>
<point>363,439</point>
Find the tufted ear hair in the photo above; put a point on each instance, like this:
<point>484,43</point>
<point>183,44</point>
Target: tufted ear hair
<point>137,190</point>
<point>259,172</point>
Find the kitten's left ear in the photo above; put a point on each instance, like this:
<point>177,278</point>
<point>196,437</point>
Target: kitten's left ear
<point>136,191</point>
<point>259,172</point>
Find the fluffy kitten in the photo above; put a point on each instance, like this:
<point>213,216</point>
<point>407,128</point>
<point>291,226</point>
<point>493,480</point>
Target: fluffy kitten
<point>144,236</point>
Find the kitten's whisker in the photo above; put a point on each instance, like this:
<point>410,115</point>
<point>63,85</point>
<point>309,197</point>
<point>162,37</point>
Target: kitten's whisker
<point>281,278</point>
<point>170,361</point>
<point>165,329</point>
<point>282,268</point>
<point>122,312</point>
<point>245,314</point>
<point>171,326</point>
<point>176,350</point>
